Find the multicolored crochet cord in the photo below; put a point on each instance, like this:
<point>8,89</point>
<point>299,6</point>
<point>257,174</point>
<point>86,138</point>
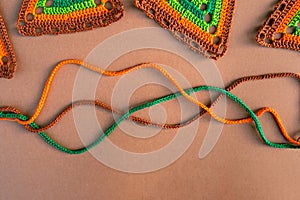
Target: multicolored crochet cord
<point>282,28</point>
<point>13,114</point>
<point>8,62</point>
<point>38,17</point>
<point>203,25</point>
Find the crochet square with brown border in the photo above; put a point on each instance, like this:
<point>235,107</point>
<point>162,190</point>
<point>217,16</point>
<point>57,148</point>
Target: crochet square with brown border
<point>203,25</point>
<point>282,28</point>
<point>38,17</point>
<point>8,63</point>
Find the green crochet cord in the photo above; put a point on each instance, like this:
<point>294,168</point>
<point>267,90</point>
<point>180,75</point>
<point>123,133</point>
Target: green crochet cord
<point>147,105</point>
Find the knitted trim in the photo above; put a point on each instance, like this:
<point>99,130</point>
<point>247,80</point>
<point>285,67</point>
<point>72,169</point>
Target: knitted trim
<point>38,17</point>
<point>281,29</point>
<point>187,19</point>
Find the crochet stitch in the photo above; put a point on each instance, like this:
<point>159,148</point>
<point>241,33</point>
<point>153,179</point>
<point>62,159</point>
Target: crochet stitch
<point>8,63</point>
<point>282,28</point>
<point>38,17</point>
<point>203,25</point>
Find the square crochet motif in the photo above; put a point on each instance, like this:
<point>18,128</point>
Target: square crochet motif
<point>38,17</point>
<point>203,25</point>
<point>282,28</point>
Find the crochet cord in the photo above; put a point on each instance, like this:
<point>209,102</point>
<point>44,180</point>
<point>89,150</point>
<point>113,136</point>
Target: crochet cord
<point>146,122</point>
<point>142,121</point>
<point>119,73</point>
<point>229,88</point>
<point>115,73</point>
<point>141,107</point>
<point>275,115</point>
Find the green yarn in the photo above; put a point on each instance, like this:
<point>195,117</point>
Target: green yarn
<point>190,9</point>
<point>62,7</point>
<point>65,3</point>
<point>199,3</point>
<point>58,146</point>
<point>188,5</point>
<point>188,14</point>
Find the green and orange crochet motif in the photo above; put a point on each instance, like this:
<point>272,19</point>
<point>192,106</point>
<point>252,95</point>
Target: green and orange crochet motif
<point>204,25</point>
<point>38,17</point>
<point>282,28</point>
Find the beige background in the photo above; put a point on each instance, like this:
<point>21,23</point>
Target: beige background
<point>239,167</point>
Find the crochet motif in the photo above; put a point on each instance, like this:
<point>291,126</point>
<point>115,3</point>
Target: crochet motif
<point>8,61</point>
<point>38,17</point>
<point>282,28</point>
<point>203,25</point>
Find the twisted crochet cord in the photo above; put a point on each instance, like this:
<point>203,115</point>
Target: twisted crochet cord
<point>30,125</point>
<point>17,114</point>
<point>178,125</point>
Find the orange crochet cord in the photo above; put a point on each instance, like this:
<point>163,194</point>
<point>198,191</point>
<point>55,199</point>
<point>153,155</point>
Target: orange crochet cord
<point>120,73</point>
<point>126,71</point>
<point>278,122</point>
